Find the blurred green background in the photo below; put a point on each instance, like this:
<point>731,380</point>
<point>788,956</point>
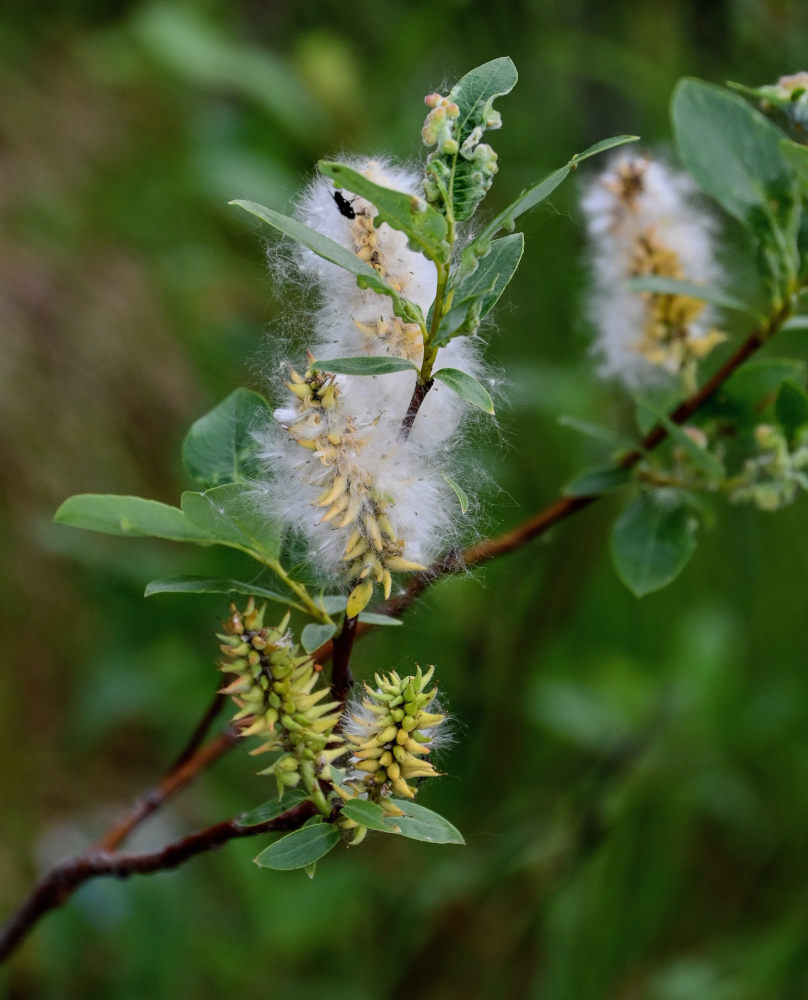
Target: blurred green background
<point>631,777</point>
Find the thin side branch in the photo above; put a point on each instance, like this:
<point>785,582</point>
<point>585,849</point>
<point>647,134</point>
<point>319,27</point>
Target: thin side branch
<point>175,780</point>
<point>61,882</point>
<point>201,731</point>
<point>565,507</point>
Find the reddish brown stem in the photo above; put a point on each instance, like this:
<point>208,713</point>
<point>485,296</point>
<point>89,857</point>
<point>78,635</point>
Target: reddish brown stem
<point>62,881</point>
<point>418,396</point>
<point>341,676</point>
<point>201,730</point>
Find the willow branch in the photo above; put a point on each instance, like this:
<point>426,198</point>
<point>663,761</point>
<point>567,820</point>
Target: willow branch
<point>62,881</point>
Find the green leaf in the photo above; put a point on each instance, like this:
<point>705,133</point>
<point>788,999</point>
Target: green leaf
<point>594,482</point>
<point>367,814</point>
<point>328,249</point>
<point>796,323</point>
<point>493,273</point>
<point>363,365</point>
<point>672,286</point>
<point>791,408</point>
<point>313,636</point>
<point>425,228</point>
<point>701,458</point>
<point>734,154</point>
<point>467,386</point>
<point>220,447</point>
<point>532,196</point>
<point>273,808</point>
<point>482,288</point>
<point>300,848</point>
<point>602,146</point>
<point>204,585</point>
<point>419,823</point>
<point>229,515</point>
<point>332,604</point>
<point>462,499</point>
<point>474,95</point>
<point>225,515</point>
<point>652,540</point>
<point>121,515</point>
<point>480,85</point>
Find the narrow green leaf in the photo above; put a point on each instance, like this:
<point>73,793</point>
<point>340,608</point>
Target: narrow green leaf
<point>425,228</point>
<point>462,499</point>
<point>121,515</point>
<point>313,636</point>
<point>653,540</point>
<point>419,823</point>
<point>205,585</point>
<point>594,482</point>
<point>542,189</point>
<point>229,515</point>
<point>467,386</point>
<point>528,199</point>
<point>791,408</point>
<point>672,286</point>
<point>273,808</point>
<point>603,146</point>
<point>329,249</point>
<point>300,848</point>
<point>363,365</point>
<point>220,447</point>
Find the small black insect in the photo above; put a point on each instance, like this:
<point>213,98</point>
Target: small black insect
<point>343,205</point>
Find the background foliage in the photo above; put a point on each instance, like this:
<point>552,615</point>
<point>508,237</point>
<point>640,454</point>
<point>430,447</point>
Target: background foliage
<point>631,777</point>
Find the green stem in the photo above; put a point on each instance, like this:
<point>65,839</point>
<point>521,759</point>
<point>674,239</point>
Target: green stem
<point>300,591</point>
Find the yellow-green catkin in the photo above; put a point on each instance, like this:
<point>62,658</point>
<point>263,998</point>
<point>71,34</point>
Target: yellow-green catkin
<point>390,733</point>
<point>276,690</point>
